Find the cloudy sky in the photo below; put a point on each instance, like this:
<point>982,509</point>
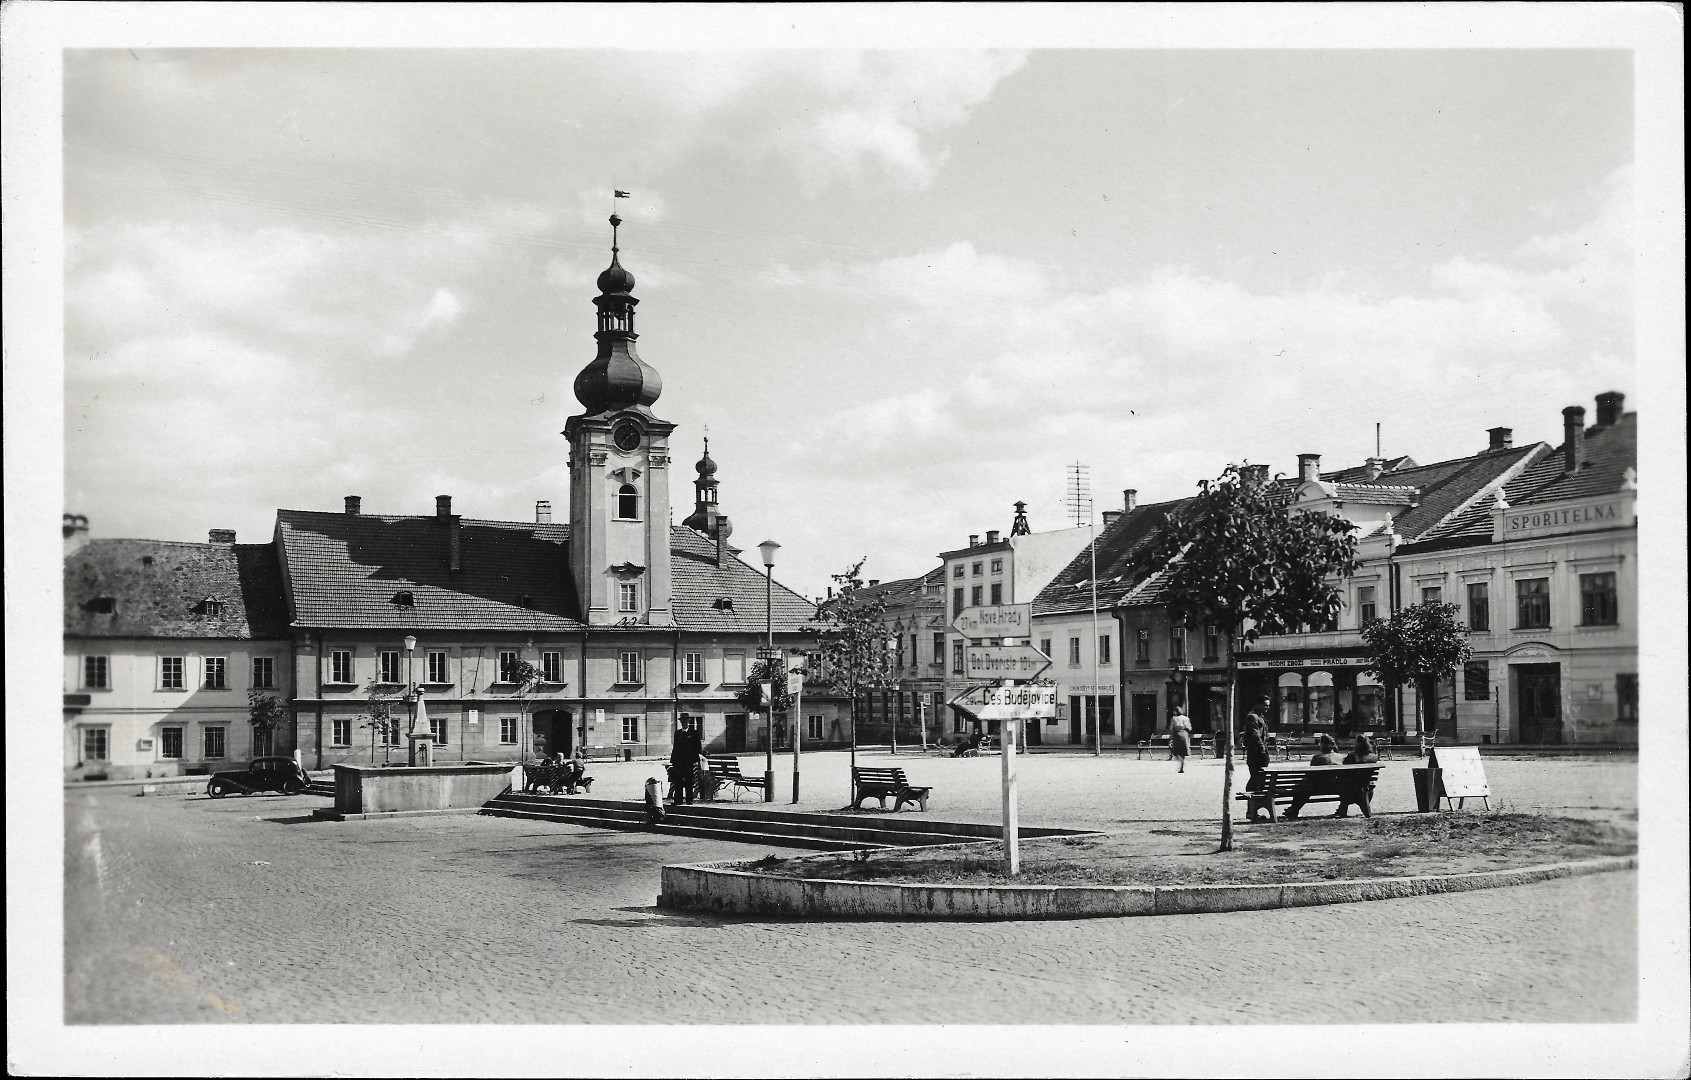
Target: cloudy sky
<point>902,289</point>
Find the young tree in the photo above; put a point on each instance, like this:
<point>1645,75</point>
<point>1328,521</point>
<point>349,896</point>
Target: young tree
<point>266,715</point>
<point>1235,558</point>
<point>851,654</point>
<point>379,718</point>
<point>525,677</point>
<point>1419,645</point>
<point>780,700</point>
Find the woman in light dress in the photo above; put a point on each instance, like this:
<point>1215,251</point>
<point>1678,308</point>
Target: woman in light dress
<point>1180,736</point>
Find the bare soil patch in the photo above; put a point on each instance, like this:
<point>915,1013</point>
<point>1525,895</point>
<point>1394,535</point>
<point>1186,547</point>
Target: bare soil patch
<point>1182,853</point>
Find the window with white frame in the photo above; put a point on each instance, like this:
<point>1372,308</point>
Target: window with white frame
<point>957,658</point>
<point>387,667</point>
<point>439,668</point>
<point>264,672</point>
<point>437,729</point>
<point>628,503</point>
<point>1479,605</point>
<point>631,729</point>
<point>1177,643</point>
<point>734,667</point>
<point>628,596</point>
<point>508,730</point>
<point>1104,648</point>
<point>508,665</point>
<point>939,650</point>
<point>693,667</point>
<point>1532,604</point>
<point>552,666</point>
<point>1597,599</point>
<point>1212,642</point>
<point>1074,652</point>
<point>96,673</point>
<point>340,732</point>
<point>340,666</point>
<point>1367,611</point>
<point>213,741</point>
<point>1142,645</point>
<point>956,570</point>
<point>170,672</point>
<point>998,566</point>
<point>94,743</point>
<point>813,727</point>
<point>217,673</point>
<point>170,742</point>
<point>628,667</point>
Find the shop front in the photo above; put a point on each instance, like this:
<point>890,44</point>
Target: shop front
<point>1315,693</point>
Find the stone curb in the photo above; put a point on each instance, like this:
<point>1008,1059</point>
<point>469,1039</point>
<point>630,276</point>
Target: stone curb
<point>713,889</point>
<point>329,813</point>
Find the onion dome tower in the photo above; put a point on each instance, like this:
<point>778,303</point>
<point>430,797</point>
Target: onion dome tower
<point>619,549</point>
<point>707,517</point>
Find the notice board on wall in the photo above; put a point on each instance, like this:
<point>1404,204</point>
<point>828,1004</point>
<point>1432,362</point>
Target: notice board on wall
<point>1462,776</point>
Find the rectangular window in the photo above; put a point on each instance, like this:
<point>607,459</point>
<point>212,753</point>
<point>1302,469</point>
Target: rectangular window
<point>693,667</point>
<point>1626,698</point>
<point>170,672</point>
<point>939,650</point>
<point>1212,643</point>
<point>170,742</point>
<point>340,732</point>
<point>1142,646</point>
<point>340,666</point>
<point>94,744</point>
<point>217,673</point>
<point>1074,652</point>
<point>1367,611</point>
<point>813,728</point>
<point>1177,643</point>
<point>1432,594</point>
<point>264,672</point>
<point>998,566</point>
<point>631,729</point>
<point>552,666</point>
<point>997,593</point>
<point>1532,604</point>
<point>1476,680</point>
<point>508,665</point>
<point>628,596</point>
<point>975,595</point>
<point>1479,606</point>
<point>213,741</point>
<point>1104,648</point>
<point>733,667</point>
<point>508,730</point>
<point>975,569</point>
<point>388,667</point>
<point>957,600</point>
<point>957,658</point>
<point>628,667</point>
<point>437,728</point>
<point>1597,605</point>
<point>96,672</point>
<point>957,570</point>
<point>390,734</point>
<point>438,670</point>
<point>1045,646</point>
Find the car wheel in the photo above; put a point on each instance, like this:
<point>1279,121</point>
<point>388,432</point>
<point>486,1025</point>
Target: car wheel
<point>293,787</point>
<point>216,789</point>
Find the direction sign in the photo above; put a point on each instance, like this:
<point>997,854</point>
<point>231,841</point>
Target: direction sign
<point>998,620</point>
<point>1004,662</point>
<point>1019,702</point>
<point>973,700</point>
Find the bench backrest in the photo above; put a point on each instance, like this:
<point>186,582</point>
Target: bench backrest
<point>878,776</point>
<point>724,766</point>
<point>1322,779</point>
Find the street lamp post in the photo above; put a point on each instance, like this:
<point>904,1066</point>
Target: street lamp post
<point>768,549</point>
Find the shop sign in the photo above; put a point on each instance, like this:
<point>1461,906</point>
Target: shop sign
<point>1513,524</point>
<point>1305,661</point>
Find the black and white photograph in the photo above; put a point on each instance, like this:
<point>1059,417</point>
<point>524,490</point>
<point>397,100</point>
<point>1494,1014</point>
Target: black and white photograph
<point>899,540</point>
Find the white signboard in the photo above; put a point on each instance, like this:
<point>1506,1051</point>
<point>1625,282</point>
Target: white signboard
<point>1004,662</point>
<point>998,620</point>
<point>1305,661</point>
<point>1463,776</point>
<point>1019,702</point>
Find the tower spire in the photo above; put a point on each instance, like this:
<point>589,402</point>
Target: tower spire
<point>616,378</point>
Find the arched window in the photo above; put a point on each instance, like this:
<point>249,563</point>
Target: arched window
<point>628,503</point>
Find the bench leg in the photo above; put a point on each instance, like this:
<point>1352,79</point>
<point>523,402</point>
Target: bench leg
<point>1363,802</point>
<point>1273,815</point>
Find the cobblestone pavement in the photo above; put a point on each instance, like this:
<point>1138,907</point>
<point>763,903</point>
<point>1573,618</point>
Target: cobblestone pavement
<point>183,909</point>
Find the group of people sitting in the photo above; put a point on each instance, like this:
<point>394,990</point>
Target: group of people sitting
<point>970,744</point>
<point>1326,753</point>
<point>570,775</point>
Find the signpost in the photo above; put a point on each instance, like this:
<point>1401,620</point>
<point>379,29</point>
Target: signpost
<point>1010,705</point>
<point>995,621</point>
<point>1004,662</point>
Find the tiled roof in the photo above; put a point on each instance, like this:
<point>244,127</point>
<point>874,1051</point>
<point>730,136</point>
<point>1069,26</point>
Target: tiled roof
<point>345,570</point>
<point>1359,474</point>
<point>1376,494</point>
<point>159,589</point>
<point>1441,498</point>
<point>1117,545</point>
<point>698,584</point>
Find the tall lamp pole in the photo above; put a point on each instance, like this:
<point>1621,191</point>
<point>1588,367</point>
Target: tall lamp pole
<point>768,549</point>
<point>410,699</point>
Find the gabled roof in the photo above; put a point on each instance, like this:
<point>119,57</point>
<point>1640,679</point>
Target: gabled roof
<point>1117,545</point>
<point>158,588</point>
<point>346,571</point>
<point>698,585</point>
<point>906,592</point>
<point>1374,494</point>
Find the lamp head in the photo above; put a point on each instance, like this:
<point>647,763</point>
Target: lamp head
<point>410,644</point>
<point>768,548</point>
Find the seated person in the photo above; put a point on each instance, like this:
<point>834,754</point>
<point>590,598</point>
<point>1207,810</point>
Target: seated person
<point>1326,753</point>
<point>1362,753</point>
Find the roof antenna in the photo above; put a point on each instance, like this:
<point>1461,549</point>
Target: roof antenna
<point>1376,438</point>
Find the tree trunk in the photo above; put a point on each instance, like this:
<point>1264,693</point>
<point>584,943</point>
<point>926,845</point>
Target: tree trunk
<point>1227,768</point>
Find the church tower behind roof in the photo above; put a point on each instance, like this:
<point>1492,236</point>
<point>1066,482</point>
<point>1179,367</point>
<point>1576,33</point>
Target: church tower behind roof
<point>619,471</point>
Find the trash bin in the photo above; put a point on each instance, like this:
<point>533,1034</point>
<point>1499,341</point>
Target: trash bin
<point>1429,788</point>
<point>627,754</point>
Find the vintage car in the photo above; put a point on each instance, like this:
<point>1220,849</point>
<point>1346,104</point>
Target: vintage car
<point>264,774</point>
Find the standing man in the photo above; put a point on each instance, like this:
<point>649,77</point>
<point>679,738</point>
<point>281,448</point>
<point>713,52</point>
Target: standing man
<point>684,762</point>
<point>1256,746</point>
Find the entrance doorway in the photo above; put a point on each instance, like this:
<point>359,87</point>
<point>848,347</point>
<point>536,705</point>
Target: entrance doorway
<point>1538,702</point>
<point>1031,731</point>
<point>1144,716</point>
<point>554,732</point>
<point>734,734</point>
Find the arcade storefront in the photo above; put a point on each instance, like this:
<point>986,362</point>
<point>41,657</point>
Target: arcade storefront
<point>1320,691</point>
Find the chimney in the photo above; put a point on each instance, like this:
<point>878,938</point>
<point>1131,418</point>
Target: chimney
<point>1309,467</point>
<point>354,505</point>
<point>1573,438</point>
<point>974,539</point>
<point>454,538</point>
<point>1609,407</point>
<point>1129,499</point>
<point>723,529</point>
<point>443,506</point>
<point>543,512</point>
<point>76,533</point>
<point>1373,467</point>
<point>1502,438</point>
<point>992,536</point>
<point>874,581</point>
<point>222,536</point>
<point>1111,517</point>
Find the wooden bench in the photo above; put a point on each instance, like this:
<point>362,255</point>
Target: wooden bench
<point>879,783</point>
<point>724,772</point>
<point>1316,783</point>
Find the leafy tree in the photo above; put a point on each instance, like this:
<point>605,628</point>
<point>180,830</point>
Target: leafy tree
<point>379,717</point>
<point>526,678</point>
<point>851,631</point>
<point>266,715</point>
<point>1419,645</point>
<point>1235,558</point>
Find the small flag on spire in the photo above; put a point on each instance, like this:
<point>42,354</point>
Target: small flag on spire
<point>621,195</point>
